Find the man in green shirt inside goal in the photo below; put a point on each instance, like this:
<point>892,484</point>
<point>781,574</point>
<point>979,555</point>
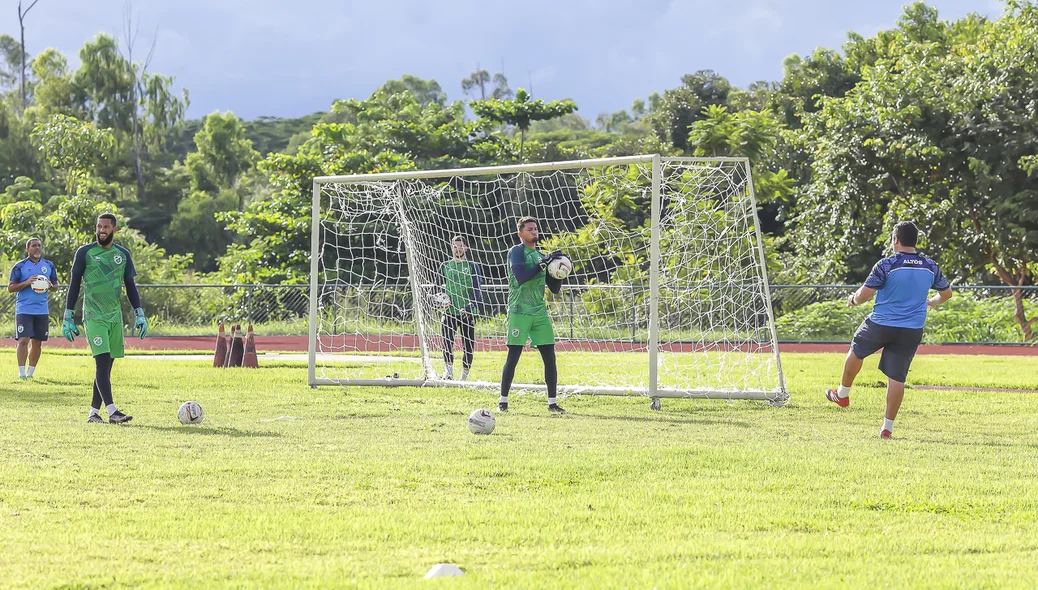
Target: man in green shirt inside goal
<point>461,281</point>
<point>527,312</point>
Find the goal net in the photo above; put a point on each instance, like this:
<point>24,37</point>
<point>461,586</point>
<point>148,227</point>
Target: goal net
<point>668,295</point>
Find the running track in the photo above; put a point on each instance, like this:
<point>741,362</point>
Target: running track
<point>360,344</point>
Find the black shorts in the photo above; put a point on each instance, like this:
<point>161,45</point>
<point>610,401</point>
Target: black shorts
<point>898,344</point>
<point>33,326</point>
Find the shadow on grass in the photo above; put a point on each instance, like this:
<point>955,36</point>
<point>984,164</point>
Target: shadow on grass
<point>663,417</point>
<point>211,431</point>
<point>970,443</point>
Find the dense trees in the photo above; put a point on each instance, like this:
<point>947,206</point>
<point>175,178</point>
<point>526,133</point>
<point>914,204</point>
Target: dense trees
<point>931,120</point>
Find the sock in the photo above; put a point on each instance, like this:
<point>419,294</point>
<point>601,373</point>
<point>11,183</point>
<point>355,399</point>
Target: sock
<point>551,401</point>
<point>95,411</point>
<point>29,371</point>
<point>21,371</point>
<point>464,374</point>
<point>504,399</point>
<point>448,372</point>
<point>888,424</point>
<point>843,391</point>
<point>112,409</point>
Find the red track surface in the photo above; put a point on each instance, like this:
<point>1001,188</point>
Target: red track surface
<point>386,343</point>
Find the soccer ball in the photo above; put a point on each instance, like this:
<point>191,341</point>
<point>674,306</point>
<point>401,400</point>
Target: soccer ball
<point>40,284</point>
<point>190,413</point>
<point>560,268</point>
<point>481,422</point>
<point>441,300</point>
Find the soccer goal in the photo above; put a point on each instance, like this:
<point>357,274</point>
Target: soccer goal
<point>668,296</point>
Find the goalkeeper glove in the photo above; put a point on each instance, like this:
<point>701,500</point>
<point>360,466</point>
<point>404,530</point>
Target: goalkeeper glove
<point>140,322</point>
<point>68,327</point>
<point>549,258</point>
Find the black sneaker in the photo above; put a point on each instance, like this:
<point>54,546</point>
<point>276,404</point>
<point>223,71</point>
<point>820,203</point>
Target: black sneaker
<point>502,407</point>
<point>119,418</point>
<point>95,419</point>
<point>556,409</point>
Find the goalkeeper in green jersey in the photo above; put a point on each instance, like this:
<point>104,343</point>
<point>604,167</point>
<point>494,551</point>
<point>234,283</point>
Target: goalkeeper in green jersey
<point>102,269</point>
<point>461,281</point>
<point>527,313</point>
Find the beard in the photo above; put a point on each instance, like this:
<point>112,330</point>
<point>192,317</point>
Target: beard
<point>106,241</point>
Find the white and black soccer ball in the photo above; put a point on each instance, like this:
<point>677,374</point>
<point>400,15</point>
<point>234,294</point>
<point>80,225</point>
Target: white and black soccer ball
<point>441,300</point>
<point>560,267</point>
<point>191,413</point>
<point>40,284</point>
<point>481,422</point>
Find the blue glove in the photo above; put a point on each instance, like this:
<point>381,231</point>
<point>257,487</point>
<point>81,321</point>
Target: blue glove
<point>139,322</point>
<point>68,327</point>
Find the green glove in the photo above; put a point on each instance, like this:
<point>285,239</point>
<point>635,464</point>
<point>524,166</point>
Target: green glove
<point>68,327</point>
<point>139,322</point>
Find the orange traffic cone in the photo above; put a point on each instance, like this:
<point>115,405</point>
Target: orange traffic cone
<point>220,358</point>
<point>230,341</point>
<point>249,361</point>
<point>237,348</point>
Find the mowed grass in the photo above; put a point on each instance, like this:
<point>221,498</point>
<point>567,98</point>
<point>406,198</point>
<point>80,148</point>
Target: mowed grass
<point>286,487</point>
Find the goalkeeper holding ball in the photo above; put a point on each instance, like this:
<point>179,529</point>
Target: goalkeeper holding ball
<point>102,269</point>
<point>527,313</point>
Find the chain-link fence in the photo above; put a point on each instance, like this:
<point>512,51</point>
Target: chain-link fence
<point>803,313</point>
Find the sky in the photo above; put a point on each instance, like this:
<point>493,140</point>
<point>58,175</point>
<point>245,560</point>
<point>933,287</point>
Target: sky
<point>290,58</point>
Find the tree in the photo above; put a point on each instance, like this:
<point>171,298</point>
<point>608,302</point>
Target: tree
<point>196,230</point>
<point>74,148</point>
<point>389,131</point>
<point>672,113</point>
<point>54,92</point>
<point>521,111</point>
<point>939,131</point>
<point>480,79</point>
<point>139,107</point>
<point>21,25</point>
<point>426,92</point>
<point>754,135</point>
<point>223,154</point>
<point>10,62</point>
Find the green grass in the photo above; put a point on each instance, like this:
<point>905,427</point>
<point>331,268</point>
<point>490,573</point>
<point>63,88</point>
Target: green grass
<point>286,487</point>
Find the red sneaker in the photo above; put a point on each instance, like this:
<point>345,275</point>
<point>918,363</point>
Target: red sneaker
<point>843,402</point>
<point>885,434</point>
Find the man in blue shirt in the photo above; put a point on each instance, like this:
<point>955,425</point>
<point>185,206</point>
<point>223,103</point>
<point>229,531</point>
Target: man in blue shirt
<point>903,282</point>
<point>32,322</point>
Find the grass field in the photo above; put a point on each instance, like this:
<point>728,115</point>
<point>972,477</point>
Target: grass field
<point>287,487</point>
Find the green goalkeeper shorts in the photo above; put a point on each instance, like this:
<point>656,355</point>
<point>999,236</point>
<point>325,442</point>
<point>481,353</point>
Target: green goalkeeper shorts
<point>105,337</point>
<point>536,328</point>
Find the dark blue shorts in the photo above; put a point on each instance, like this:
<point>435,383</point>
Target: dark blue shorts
<point>898,344</point>
<point>27,325</point>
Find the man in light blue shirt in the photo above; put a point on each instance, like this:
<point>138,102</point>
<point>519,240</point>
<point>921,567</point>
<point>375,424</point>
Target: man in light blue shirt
<point>32,322</point>
<point>902,284</point>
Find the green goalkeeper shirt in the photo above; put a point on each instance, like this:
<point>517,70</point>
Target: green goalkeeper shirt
<point>104,271</point>
<point>527,298</point>
<point>461,281</point>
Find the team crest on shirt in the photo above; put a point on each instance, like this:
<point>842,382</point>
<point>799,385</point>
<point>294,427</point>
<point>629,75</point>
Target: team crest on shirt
<point>515,332</point>
<point>98,341</point>
<point>43,269</point>
<point>21,329</point>
<point>118,259</point>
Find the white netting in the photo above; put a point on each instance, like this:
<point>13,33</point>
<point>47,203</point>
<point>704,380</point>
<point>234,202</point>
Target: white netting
<point>382,245</point>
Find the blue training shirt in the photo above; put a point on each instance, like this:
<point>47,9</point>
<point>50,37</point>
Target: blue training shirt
<point>903,282</point>
<point>27,300</point>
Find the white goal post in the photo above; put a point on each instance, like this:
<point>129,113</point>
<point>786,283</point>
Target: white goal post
<point>668,296</point>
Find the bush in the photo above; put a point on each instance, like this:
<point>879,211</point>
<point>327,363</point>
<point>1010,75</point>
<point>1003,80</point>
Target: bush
<point>966,318</point>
